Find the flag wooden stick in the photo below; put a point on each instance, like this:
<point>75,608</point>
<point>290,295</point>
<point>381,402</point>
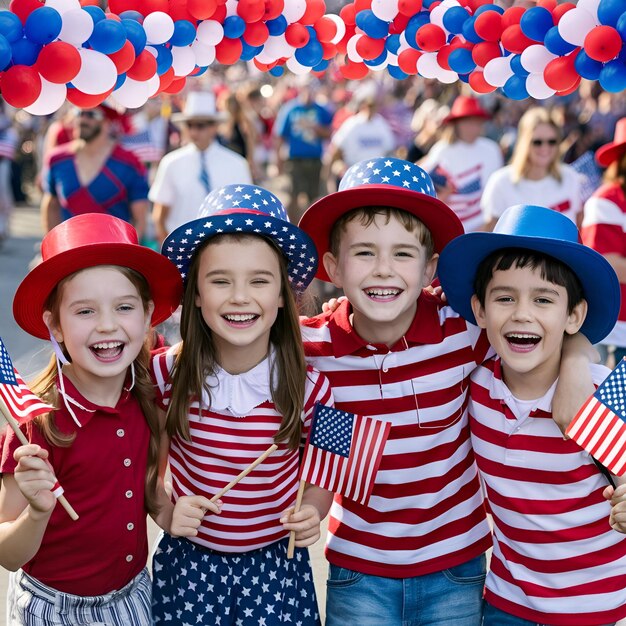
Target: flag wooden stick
<point>292,535</point>
<point>20,435</point>
<point>245,472</point>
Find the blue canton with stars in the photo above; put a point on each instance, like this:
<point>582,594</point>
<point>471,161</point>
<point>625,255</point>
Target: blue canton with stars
<point>7,373</point>
<point>332,430</point>
<point>611,392</point>
<point>245,209</point>
<point>388,171</point>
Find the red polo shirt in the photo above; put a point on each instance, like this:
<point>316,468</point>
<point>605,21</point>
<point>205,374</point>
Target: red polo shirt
<point>103,475</point>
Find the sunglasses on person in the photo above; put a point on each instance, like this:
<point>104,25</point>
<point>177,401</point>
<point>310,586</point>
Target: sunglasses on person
<point>200,125</point>
<point>540,142</point>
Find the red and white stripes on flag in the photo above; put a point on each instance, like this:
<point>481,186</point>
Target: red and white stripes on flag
<point>343,452</point>
<point>599,427</point>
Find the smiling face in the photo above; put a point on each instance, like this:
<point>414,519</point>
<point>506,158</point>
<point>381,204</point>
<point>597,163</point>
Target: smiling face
<point>526,317</point>
<point>101,320</point>
<point>239,292</point>
<point>544,147</point>
<point>382,268</point>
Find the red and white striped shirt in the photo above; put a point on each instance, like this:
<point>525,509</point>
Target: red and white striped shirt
<point>426,511</point>
<point>223,445</point>
<point>555,559</point>
<point>604,230</point>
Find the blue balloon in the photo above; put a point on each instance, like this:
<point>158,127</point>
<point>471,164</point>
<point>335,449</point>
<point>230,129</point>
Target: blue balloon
<point>43,25</point>
<point>460,61</point>
<point>135,34</point>
<point>515,88</point>
<point>392,43</point>
<point>517,67</point>
<point>278,70</point>
<point>381,58</point>
<point>108,36</point>
<point>556,44</point>
<point>5,52</point>
<point>234,27</point>
<point>536,22</point>
<point>312,33</point>
<point>311,54</point>
<point>621,27</point>
<point>277,26</point>
<point>248,52</point>
<point>96,13</point>
<point>464,78</point>
<point>587,67</point>
<point>164,59</point>
<point>371,25</point>
<point>488,7</point>
<point>10,26</point>
<point>454,18</point>
<point>396,72</point>
<point>121,79</point>
<point>609,11</point>
<point>199,70</point>
<point>413,25</point>
<point>321,67</point>
<point>131,15</point>
<point>184,33</point>
<point>613,76</point>
<point>25,52</point>
<point>469,31</point>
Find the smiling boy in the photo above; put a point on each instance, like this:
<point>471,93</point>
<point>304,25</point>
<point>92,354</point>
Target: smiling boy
<point>529,284</point>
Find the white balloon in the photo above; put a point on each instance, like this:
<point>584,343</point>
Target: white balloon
<point>153,85</point>
<point>231,7</point>
<point>210,32</point>
<point>159,27</point>
<point>63,6</point>
<point>297,68</point>
<point>535,58</point>
<point>294,10</point>
<point>497,71</point>
<point>50,99</point>
<point>77,27</point>
<point>153,51</point>
<point>381,66</point>
<point>353,55</point>
<point>574,26</point>
<point>385,10</point>
<point>205,55</point>
<point>183,60</point>
<point>537,88</point>
<point>427,65</point>
<point>132,94</point>
<point>436,16</point>
<point>97,72</point>
<point>446,76</point>
<point>591,6</point>
<point>341,27</point>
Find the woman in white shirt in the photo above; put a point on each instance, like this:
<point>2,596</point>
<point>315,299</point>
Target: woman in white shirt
<point>535,174</point>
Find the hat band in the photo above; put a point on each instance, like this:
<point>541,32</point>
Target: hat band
<point>236,210</point>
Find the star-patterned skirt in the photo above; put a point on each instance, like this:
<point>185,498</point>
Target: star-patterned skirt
<point>193,585</point>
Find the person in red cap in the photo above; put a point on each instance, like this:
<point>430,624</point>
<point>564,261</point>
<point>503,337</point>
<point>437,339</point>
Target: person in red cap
<point>94,174</point>
<point>95,296</point>
<point>604,216</point>
<point>462,160</point>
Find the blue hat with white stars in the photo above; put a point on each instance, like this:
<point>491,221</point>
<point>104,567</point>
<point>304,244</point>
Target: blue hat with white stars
<point>384,182</point>
<point>245,209</point>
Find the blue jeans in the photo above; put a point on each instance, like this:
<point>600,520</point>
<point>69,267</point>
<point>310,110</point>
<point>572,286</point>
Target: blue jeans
<point>496,617</point>
<point>452,596</point>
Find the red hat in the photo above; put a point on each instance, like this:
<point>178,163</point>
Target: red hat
<point>606,154</point>
<point>86,241</point>
<point>465,106</point>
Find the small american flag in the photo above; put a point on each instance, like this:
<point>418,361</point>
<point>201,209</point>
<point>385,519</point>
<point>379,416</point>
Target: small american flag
<point>600,425</point>
<point>343,452</point>
<point>22,403</point>
<point>590,174</point>
<point>143,146</point>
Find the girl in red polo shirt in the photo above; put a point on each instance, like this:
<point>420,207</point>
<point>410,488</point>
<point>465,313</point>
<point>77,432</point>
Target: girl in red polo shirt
<point>94,296</point>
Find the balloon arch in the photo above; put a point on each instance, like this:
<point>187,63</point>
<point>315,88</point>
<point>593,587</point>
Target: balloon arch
<point>73,50</point>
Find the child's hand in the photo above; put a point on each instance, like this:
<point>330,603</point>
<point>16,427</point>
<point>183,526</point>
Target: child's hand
<point>35,478</point>
<point>437,292</point>
<point>306,524</point>
<point>189,512</point>
<point>617,498</point>
<point>332,305</point>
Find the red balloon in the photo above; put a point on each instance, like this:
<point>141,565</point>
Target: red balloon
<point>547,4</point>
<point>572,89</point>
<point>560,73</point>
<point>325,28</point>
<point>113,16</point>
<point>354,71</point>
<point>251,10</point>
<point>145,7</point>
<point>23,8</point>
<point>273,8</point>
<point>603,43</point>
<point>409,7</point>
<point>202,9</point>
<point>124,57</point>
<point>264,67</point>
<point>362,5</point>
<point>87,101</point>
<point>488,26</point>
<point>476,4</point>
<point>176,85</point>
<point>430,37</point>
<point>89,3</point>
<point>484,51</point>
<point>561,10</point>
<point>514,40</point>
<point>166,79</point>
<point>144,67</point>
<point>297,35</point>
<point>220,13</point>
<point>399,24</point>
<point>119,6</point>
<point>369,48</point>
<point>479,84</point>
<point>21,85</point>
<point>228,51</point>
<point>178,11</point>
<point>256,34</point>
<point>407,60</point>
<point>315,9</point>
<point>341,45</point>
<point>330,50</point>
<point>58,62</point>
<point>348,15</point>
<point>443,55</point>
<point>511,16</point>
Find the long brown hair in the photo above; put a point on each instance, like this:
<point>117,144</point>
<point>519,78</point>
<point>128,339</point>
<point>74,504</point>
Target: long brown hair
<point>197,358</point>
<point>45,385</point>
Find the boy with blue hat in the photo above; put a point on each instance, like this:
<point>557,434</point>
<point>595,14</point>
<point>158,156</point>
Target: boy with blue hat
<point>415,554</point>
<point>530,283</point>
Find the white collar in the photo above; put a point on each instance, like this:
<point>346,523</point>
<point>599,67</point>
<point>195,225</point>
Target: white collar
<point>240,393</point>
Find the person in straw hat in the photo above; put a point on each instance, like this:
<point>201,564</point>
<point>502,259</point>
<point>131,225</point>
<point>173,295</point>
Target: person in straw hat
<point>185,176</point>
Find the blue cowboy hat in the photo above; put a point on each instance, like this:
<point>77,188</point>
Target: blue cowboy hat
<point>541,230</point>
<point>385,182</point>
<point>245,209</point>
